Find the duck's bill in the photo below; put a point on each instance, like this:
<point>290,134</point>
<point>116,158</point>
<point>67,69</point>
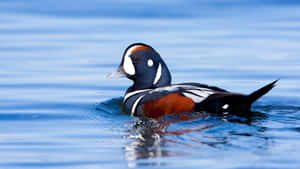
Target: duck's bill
<point>119,73</point>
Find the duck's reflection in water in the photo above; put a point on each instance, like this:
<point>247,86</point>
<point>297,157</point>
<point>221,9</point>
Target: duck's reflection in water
<point>146,140</point>
<point>149,138</point>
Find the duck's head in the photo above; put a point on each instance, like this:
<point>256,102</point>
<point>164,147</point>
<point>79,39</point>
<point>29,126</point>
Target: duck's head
<point>144,66</point>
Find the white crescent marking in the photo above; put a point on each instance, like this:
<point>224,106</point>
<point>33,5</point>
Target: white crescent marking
<point>135,104</point>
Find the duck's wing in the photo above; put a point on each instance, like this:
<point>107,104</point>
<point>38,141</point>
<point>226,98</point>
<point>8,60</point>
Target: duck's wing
<point>167,100</point>
<point>199,92</point>
<point>203,86</point>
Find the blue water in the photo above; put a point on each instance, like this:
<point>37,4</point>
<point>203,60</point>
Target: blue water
<point>57,109</point>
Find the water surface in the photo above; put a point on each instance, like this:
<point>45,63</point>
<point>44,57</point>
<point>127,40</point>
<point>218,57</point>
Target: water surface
<point>58,110</point>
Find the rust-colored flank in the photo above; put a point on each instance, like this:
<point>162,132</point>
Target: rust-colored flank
<point>167,105</point>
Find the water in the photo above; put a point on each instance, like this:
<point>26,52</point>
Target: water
<point>57,109</point>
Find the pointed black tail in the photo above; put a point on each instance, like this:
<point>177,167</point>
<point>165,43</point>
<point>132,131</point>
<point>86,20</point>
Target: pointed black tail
<point>260,92</point>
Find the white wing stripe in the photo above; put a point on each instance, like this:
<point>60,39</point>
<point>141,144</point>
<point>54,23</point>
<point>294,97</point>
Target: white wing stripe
<point>195,98</point>
<point>201,93</point>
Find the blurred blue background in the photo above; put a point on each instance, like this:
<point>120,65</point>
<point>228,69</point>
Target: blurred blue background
<point>54,108</point>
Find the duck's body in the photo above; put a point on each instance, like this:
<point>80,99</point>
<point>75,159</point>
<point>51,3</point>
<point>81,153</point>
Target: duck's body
<point>152,94</point>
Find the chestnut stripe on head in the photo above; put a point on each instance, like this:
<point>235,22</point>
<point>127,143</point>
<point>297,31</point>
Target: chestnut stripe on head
<point>127,63</point>
<point>138,48</point>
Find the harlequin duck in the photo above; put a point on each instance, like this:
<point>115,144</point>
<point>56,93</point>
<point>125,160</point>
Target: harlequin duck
<point>152,94</point>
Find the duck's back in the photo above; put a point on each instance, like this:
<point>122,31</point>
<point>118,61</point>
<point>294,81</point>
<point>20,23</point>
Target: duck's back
<point>188,97</point>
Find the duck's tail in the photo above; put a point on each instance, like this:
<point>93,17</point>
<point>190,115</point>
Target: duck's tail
<point>260,92</point>
<point>231,102</point>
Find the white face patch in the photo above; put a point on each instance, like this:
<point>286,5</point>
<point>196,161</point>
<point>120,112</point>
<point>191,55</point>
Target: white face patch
<point>158,74</point>
<point>128,64</point>
<point>150,62</point>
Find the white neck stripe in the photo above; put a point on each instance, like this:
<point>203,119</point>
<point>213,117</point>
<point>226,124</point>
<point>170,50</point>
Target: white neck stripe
<point>133,93</point>
<point>158,74</point>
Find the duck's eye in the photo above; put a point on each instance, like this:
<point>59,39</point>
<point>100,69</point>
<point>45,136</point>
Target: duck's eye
<point>150,62</point>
